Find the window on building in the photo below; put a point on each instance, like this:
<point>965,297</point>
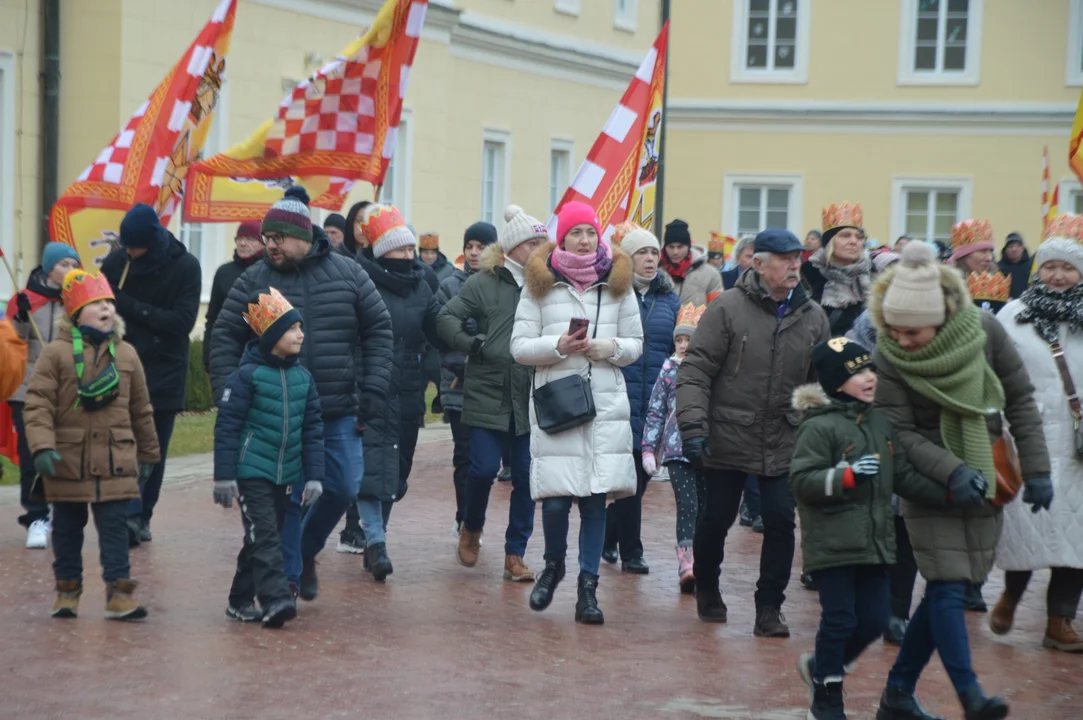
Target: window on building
<point>941,41</point>
<point>560,163</point>
<point>1073,74</point>
<point>494,176</point>
<point>626,14</point>
<point>397,180</point>
<point>770,41</point>
<point>754,202</point>
<point>1077,203</point>
<point>927,209</point>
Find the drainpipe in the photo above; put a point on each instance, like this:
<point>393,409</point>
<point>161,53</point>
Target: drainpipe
<point>659,191</point>
<point>50,110</point>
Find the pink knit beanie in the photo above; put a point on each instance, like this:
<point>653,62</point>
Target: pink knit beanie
<point>576,213</point>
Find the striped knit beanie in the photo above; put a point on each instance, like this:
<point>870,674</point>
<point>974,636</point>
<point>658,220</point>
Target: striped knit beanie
<point>288,216</point>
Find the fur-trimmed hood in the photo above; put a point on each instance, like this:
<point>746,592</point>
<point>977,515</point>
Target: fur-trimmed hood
<point>62,323</point>
<point>808,397</point>
<point>540,277</point>
<point>956,294</point>
<point>491,258</point>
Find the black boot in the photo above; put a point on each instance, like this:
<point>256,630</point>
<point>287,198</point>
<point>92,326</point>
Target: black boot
<point>377,561</point>
<point>709,604</point>
<point>896,629</point>
<point>546,585</point>
<point>980,707</point>
<point>310,584</point>
<point>973,600</point>
<point>897,704</point>
<point>135,528</point>
<point>586,607</point>
<point>827,701</point>
<point>609,555</point>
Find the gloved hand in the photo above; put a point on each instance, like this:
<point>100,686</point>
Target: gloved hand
<point>313,490</point>
<point>650,463</point>
<point>967,487</point>
<point>1038,493</point>
<point>865,468</point>
<point>370,408</point>
<point>695,450</point>
<point>45,462</point>
<point>145,471</point>
<point>602,350</point>
<point>470,326</point>
<point>224,492</point>
<point>22,303</point>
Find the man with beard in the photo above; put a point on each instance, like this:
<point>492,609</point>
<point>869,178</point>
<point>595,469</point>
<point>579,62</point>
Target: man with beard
<point>348,350</point>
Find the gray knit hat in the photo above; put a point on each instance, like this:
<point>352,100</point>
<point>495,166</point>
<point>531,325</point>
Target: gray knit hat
<point>915,299</point>
<point>520,227</point>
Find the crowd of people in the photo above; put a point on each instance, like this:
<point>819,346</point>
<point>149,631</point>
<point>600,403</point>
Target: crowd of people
<point>896,399</point>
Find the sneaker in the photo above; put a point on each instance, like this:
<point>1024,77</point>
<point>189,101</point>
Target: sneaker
<point>515,569</point>
<point>350,542</point>
<point>37,535</point>
<point>806,667</point>
<point>120,605</point>
<point>278,613</point>
<point>247,614</point>
<point>771,623</point>
<point>67,598</point>
<point>310,584</point>
<point>144,531</point>
<point>827,701</point>
<point>757,524</point>
<point>896,629</point>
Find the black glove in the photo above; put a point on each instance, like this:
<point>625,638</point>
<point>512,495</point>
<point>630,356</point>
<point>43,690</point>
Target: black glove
<point>695,450</point>
<point>1038,493</point>
<point>470,326</point>
<point>370,408</point>
<point>22,303</point>
<point>967,487</point>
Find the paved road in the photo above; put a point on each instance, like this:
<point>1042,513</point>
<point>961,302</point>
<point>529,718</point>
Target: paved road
<point>441,641</point>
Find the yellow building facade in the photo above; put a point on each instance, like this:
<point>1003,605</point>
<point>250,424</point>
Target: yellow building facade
<point>924,111</point>
<point>505,97</point>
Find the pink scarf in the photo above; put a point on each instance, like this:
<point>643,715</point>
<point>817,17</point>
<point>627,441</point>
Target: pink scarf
<point>582,271</point>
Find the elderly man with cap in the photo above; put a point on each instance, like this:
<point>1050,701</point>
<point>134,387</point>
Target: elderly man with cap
<point>335,227</point>
<point>693,279</point>
<point>752,348</point>
<point>157,283</point>
<point>248,248</point>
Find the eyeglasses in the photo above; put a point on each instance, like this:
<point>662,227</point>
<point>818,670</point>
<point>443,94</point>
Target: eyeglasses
<point>275,239</point>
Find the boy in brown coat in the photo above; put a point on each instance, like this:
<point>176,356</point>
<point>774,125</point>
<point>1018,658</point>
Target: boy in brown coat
<point>90,428</point>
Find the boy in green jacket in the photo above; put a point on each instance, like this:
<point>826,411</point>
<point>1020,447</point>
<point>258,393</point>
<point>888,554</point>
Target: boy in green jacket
<point>846,465</point>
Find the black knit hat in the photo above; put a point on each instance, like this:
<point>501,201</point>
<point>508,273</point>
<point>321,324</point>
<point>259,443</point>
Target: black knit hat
<point>836,361</point>
<point>483,232</point>
<point>677,233</point>
<point>336,221</point>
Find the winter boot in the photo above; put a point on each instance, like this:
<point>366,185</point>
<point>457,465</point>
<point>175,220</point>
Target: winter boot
<point>635,566</point>
<point>808,582</point>
<point>771,623</point>
<point>135,530</point>
<point>685,575</point>
<point>1059,635</point>
<point>972,599</point>
<point>896,629</point>
<point>745,517</point>
<point>516,570</point>
<point>120,605</point>
<point>378,561</point>
<point>897,704</point>
<point>609,554</point>
<point>1003,616</point>
<point>979,707</point>
<point>144,532</point>
<point>709,604</point>
<point>276,615</point>
<point>246,614</point>
<point>546,585</point>
<point>469,547</point>
<point>827,700</point>
<point>586,607</point>
<point>67,598</point>
<point>310,583</point>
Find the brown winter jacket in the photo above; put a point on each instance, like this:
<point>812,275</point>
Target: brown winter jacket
<point>736,383</point>
<point>99,451</point>
<point>955,543</point>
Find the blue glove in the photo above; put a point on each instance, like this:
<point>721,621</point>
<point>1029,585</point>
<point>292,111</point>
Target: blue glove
<point>1038,493</point>
<point>967,487</point>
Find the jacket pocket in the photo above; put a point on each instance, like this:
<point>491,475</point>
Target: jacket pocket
<point>69,443</point>
<point>735,416</point>
<point>846,529</point>
<point>122,456</point>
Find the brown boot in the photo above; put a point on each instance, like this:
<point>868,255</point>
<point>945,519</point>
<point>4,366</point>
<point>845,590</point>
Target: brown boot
<point>516,570</point>
<point>1059,635</point>
<point>469,546</point>
<point>67,598</point>
<point>120,604</point>
<point>1003,616</point>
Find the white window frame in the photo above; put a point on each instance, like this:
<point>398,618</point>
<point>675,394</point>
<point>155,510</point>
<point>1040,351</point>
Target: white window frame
<point>733,182</point>
<point>8,78</point>
<point>501,190</point>
<point>901,185</point>
<point>908,40</point>
<point>627,20</point>
<point>1073,68</point>
<point>1070,190</point>
<point>401,190</point>
<point>565,146</point>
<point>568,7</point>
<point>741,73</point>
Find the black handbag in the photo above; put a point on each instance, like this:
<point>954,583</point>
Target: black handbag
<point>568,402</point>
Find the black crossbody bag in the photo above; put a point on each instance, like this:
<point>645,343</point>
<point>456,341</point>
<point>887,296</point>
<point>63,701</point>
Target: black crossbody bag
<point>568,402</point>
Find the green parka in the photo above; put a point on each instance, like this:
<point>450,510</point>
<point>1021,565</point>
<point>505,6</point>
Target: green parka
<point>856,526</point>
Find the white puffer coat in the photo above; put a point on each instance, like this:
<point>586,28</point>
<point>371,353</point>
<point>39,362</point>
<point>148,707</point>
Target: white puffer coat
<point>595,457</point>
<point>1033,541</point>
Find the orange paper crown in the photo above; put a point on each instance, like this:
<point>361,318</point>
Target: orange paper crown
<point>460,262</point>
<point>620,230</point>
<point>429,241</point>
<point>80,288</point>
<point>721,244</point>
<point>842,215</point>
<point>971,232</point>
<point>378,220</point>
<point>1068,226</point>
<point>262,315</point>
<point>993,287</point>
<point>689,315</point>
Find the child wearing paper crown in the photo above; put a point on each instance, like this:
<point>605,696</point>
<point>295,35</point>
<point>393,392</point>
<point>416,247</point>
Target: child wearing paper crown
<point>846,464</point>
<point>268,437</point>
<point>90,429</point>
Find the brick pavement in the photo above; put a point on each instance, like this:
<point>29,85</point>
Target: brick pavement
<point>441,641</point>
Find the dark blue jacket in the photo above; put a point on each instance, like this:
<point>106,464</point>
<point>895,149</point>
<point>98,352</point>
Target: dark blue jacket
<point>658,312</point>
<point>269,424</point>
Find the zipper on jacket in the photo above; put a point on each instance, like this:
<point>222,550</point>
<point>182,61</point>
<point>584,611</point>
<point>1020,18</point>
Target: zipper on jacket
<point>244,448</point>
<point>285,422</point>
<point>644,397</point>
<point>740,354</point>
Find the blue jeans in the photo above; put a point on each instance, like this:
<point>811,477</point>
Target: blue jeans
<point>854,608</point>
<point>486,449</point>
<point>344,465</point>
<point>752,495</point>
<point>938,624</point>
<point>555,511</point>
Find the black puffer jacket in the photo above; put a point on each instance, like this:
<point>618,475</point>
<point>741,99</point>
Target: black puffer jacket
<point>348,345</point>
<point>224,278</point>
<point>159,308</point>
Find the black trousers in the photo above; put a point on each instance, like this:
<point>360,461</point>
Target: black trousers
<point>720,499</point>
<point>34,510</point>
<point>163,427</point>
<point>110,518</point>
<point>408,430</point>
<point>853,613</point>
<point>261,572</point>
<point>903,573</point>
<point>460,460</point>
<point>624,518</point>
<point>1062,596</point>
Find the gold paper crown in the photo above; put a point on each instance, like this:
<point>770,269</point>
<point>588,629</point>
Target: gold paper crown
<point>79,288</point>
<point>842,215</point>
<point>690,315</point>
<point>721,244</point>
<point>262,315</point>
<point>429,241</point>
<point>971,232</point>
<point>993,287</point>
<point>1068,226</point>
<point>620,231</point>
<point>378,220</point>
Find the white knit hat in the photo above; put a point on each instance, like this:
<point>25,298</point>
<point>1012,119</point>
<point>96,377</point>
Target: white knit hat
<point>1060,248</point>
<point>519,228</point>
<point>637,239</point>
<point>914,299</point>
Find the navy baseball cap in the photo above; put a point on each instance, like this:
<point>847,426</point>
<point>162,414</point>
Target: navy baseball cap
<point>777,241</point>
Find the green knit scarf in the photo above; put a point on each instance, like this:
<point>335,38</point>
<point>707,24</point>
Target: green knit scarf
<point>952,372</point>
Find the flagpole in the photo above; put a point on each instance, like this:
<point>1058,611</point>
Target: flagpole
<point>658,223</point>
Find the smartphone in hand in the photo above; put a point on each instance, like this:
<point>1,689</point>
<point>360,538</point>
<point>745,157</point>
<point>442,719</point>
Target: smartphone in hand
<point>576,325</point>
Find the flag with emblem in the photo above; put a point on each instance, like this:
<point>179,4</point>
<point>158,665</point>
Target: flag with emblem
<point>335,128</point>
<point>618,177</point>
<point>148,159</point>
